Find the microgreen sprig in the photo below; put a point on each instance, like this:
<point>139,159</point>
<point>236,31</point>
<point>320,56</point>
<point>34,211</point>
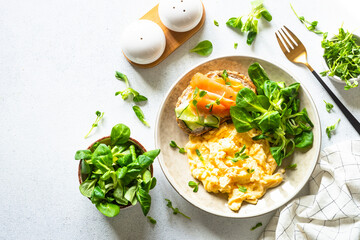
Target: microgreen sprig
<point>174,145</point>
<point>99,116</point>
<point>175,210</point>
<point>311,26</point>
<point>329,106</point>
<point>137,97</point>
<point>194,185</point>
<point>216,101</point>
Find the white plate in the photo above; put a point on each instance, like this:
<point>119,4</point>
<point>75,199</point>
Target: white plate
<point>175,165</point>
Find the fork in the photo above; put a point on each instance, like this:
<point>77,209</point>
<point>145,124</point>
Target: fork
<point>295,51</point>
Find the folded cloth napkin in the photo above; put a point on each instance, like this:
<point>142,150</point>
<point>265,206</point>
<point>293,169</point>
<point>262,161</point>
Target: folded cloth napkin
<point>332,210</point>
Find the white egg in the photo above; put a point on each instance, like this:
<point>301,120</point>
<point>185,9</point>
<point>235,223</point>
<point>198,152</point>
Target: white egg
<point>143,42</point>
<point>180,15</point>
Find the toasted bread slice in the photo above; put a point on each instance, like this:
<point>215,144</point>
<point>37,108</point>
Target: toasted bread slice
<point>186,97</point>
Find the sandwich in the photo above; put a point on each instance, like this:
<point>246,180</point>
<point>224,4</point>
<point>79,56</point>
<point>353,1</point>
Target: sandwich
<point>206,102</point>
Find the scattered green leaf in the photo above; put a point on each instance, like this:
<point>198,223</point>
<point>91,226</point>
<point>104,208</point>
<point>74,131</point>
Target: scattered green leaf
<point>236,45</point>
<point>251,24</point>
<point>140,115</point>
<point>203,48</point>
<point>329,106</point>
<point>256,226</point>
<point>331,129</point>
<point>216,23</point>
<point>153,221</point>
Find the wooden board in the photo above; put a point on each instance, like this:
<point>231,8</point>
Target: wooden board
<point>173,39</point>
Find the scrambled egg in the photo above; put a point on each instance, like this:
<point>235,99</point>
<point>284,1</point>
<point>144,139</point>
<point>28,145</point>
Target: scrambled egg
<point>210,157</point>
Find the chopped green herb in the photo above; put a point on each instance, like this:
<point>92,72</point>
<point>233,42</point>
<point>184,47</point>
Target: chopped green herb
<point>153,221</point>
<point>198,153</point>
<point>330,130</point>
<point>242,189</point>
<point>175,210</point>
<point>241,155</point>
<point>292,166</point>
<point>311,26</point>
<point>174,145</point>
<point>203,48</point>
<point>140,115</point>
<point>194,185</point>
<point>236,45</point>
<point>251,171</point>
<point>341,54</point>
<point>99,116</point>
<point>137,97</point>
<point>329,106</point>
<point>251,25</point>
<point>256,226</point>
<point>216,23</point>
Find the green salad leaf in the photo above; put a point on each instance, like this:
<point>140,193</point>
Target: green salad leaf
<point>216,23</point>
<point>203,48</point>
<point>275,111</point>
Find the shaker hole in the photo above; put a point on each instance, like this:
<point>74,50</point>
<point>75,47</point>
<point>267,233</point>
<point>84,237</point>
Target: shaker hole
<point>184,10</point>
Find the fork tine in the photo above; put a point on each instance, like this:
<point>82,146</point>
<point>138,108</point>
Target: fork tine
<point>285,51</point>
<point>298,42</point>
<point>289,47</point>
<point>291,41</point>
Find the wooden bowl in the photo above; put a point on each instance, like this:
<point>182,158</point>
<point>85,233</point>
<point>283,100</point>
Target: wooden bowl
<point>106,140</point>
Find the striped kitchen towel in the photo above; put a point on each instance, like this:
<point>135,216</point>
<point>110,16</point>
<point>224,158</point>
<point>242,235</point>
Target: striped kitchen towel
<point>332,210</point>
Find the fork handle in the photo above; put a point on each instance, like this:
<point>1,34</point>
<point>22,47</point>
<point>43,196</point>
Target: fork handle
<point>354,122</point>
